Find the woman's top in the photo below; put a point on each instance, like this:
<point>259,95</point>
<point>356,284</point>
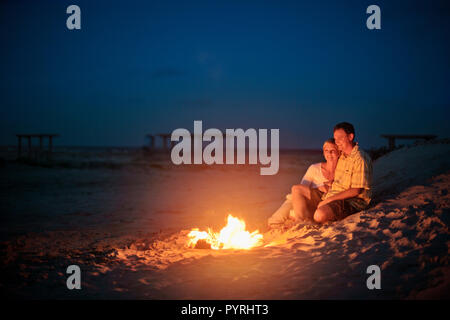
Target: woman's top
<point>314,177</point>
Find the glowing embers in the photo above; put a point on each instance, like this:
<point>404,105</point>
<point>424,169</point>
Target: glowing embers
<point>232,236</point>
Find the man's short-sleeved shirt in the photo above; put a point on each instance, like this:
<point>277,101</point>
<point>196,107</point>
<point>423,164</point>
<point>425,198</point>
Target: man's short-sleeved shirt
<point>353,171</point>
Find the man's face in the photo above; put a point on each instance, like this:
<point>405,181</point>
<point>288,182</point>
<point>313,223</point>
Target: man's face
<point>342,139</point>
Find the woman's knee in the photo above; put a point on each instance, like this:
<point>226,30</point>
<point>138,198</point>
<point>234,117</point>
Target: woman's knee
<point>299,189</point>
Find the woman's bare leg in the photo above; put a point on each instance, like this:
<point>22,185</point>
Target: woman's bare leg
<point>281,215</point>
<point>300,195</point>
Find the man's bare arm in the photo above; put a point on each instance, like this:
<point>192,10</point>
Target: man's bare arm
<point>347,194</point>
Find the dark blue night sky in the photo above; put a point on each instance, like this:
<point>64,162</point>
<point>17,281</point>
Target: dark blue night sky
<point>139,67</point>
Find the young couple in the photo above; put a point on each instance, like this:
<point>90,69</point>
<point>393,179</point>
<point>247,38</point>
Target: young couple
<point>331,190</point>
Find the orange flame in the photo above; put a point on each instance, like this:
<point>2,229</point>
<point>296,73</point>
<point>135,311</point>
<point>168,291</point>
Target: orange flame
<point>232,236</point>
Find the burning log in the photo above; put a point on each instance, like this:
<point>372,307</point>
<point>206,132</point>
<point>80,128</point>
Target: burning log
<point>232,236</point>
<point>202,244</point>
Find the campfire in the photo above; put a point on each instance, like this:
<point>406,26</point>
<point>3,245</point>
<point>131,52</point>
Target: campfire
<point>232,236</point>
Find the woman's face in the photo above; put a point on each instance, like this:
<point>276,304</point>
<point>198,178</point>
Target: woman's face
<point>330,152</point>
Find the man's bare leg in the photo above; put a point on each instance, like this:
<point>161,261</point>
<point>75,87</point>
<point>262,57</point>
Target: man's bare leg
<point>300,195</point>
<point>323,214</point>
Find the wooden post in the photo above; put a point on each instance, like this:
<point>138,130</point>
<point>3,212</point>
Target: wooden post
<point>50,146</point>
<point>19,150</point>
<point>40,152</point>
<point>152,142</point>
<point>164,142</point>
<point>391,143</point>
<point>164,137</point>
<point>29,146</point>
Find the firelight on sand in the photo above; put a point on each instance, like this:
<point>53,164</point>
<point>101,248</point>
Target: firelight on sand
<point>232,236</point>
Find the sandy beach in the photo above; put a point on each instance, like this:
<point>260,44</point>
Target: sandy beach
<point>126,227</point>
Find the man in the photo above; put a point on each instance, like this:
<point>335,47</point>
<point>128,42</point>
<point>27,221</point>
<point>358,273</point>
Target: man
<point>351,189</point>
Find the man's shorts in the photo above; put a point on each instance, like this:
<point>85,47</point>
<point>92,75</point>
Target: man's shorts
<point>316,197</point>
<point>342,209</point>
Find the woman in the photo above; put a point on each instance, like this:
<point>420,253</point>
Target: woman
<point>316,181</point>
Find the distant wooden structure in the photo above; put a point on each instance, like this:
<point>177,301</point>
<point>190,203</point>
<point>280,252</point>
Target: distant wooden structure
<point>167,144</point>
<point>392,137</point>
<point>151,139</point>
<point>166,138</point>
<point>39,151</point>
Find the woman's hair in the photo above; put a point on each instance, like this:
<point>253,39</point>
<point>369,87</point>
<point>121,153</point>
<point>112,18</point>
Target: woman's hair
<point>331,140</point>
